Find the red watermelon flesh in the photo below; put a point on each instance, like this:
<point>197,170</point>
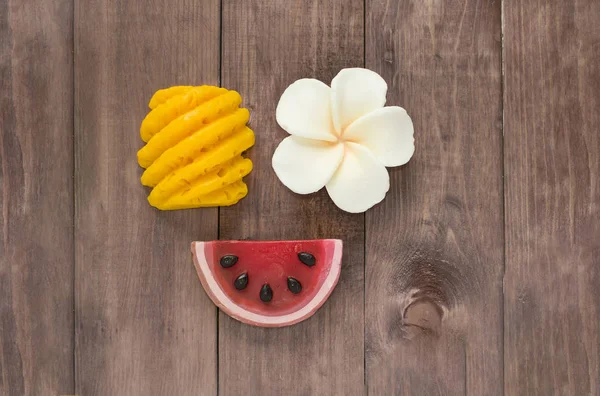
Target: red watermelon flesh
<point>300,276</point>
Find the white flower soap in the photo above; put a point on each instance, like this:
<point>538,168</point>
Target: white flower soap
<point>342,138</point>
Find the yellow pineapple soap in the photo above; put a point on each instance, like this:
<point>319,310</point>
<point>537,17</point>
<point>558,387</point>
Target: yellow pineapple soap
<point>195,137</point>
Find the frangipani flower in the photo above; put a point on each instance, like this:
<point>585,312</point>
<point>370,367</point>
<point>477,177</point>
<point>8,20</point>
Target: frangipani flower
<point>342,138</point>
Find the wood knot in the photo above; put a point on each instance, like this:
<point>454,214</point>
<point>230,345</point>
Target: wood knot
<point>388,57</point>
<point>429,288</point>
<point>422,316</point>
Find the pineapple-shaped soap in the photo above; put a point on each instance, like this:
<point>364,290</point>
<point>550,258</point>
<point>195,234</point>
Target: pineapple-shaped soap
<point>195,137</point>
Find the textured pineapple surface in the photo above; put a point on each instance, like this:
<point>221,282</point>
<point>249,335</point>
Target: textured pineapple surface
<point>195,137</point>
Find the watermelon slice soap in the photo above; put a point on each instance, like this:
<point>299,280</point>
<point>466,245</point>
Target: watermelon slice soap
<point>269,283</point>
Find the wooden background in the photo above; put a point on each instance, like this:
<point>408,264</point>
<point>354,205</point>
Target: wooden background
<point>479,274</point>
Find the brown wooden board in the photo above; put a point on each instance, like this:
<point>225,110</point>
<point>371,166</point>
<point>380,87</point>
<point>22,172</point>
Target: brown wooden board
<point>143,324</point>
<point>552,161</point>
<point>266,47</point>
<point>36,192</point>
<point>434,247</point>
<point>98,294</point>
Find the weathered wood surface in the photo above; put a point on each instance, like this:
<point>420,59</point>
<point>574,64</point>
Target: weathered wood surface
<point>552,179</point>
<point>435,246</point>
<point>143,324</point>
<point>479,274</point>
<point>36,195</point>
<point>267,46</point>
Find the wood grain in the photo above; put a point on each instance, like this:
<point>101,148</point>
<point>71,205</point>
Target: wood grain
<point>266,46</point>
<point>36,191</point>
<point>434,247</point>
<point>552,160</point>
<point>143,324</point>
<point>113,306</point>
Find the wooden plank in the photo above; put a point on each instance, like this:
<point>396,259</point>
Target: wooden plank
<point>267,46</point>
<point>144,325</point>
<point>434,247</point>
<point>552,160</point>
<point>36,191</point>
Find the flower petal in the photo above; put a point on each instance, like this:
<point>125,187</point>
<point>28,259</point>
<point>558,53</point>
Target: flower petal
<point>360,182</point>
<point>306,165</point>
<point>387,132</point>
<point>304,110</point>
<point>354,93</point>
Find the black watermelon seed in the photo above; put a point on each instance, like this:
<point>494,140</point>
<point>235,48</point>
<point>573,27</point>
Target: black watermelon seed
<point>228,261</point>
<point>307,258</point>
<point>294,286</point>
<point>266,293</point>
<point>241,281</point>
